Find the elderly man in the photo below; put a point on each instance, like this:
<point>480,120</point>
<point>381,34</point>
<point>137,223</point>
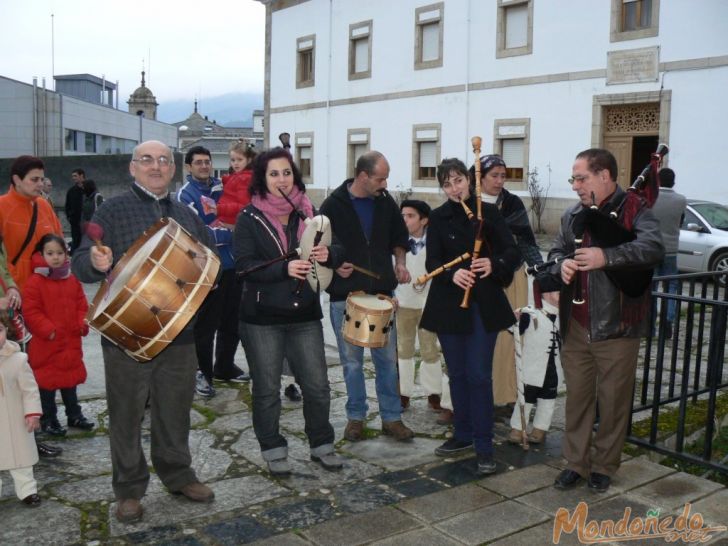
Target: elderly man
<point>601,336</point>
<point>168,380</point>
<point>369,225</point>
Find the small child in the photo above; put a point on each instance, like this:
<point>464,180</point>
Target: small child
<point>54,307</point>
<point>19,416</point>
<point>235,186</point>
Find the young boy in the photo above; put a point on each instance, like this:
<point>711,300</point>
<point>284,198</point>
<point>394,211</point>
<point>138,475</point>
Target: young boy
<point>411,302</point>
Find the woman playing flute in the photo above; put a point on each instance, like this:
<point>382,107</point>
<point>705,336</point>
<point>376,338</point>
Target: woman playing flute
<point>276,319</point>
<point>467,335</point>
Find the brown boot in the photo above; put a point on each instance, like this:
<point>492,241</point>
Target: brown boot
<point>445,417</point>
<point>434,402</point>
<point>397,430</point>
<point>404,401</point>
<point>537,436</point>
<point>354,430</point>
<point>129,510</point>
<point>197,492</point>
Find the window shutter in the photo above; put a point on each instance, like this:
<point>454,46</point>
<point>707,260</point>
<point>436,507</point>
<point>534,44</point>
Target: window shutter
<point>361,55</point>
<point>428,154</point>
<point>516,26</point>
<point>430,42</point>
<point>304,152</point>
<point>513,152</point>
<point>360,150</point>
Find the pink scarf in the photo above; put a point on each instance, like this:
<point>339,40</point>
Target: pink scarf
<point>273,206</point>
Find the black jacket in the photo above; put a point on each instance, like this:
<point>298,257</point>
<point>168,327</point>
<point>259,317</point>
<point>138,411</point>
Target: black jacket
<point>388,231</point>
<point>451,234</point>
<point>270,294</point>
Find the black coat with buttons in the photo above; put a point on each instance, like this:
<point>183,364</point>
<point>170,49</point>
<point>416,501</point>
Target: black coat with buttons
<point>450,234</point>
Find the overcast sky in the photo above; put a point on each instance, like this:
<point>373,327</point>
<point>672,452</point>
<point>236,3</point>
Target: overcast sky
<point>189,48</point>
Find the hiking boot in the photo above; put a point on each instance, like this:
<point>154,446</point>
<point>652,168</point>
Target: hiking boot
<point>453,447</point>
<point>397,430</point>
<point>354,430</point>
<point>537,436</point>
<point>129,510</point>
<point>434,402</point>
<point>486,464</point>
<point>404,401</point>
<point>445,417</point>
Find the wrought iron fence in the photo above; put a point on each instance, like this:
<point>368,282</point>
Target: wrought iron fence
<point>683,370</point>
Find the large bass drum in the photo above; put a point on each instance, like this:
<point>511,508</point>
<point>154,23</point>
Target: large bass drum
<point>154,290</point>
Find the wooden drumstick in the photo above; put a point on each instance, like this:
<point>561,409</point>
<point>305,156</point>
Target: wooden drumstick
<point>476,141</point>
<point>366,272</point>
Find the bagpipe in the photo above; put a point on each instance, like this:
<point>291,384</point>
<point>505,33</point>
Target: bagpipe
<point>613,225</point>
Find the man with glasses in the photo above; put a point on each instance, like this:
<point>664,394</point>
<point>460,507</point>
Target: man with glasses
<point>601,336</point>
<point>219,312</point>
<point>168,380</point>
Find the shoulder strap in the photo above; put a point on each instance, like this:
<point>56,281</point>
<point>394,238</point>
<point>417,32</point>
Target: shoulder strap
<point>29,236</point>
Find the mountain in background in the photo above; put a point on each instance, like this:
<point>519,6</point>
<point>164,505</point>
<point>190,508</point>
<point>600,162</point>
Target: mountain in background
<point>231,109</point>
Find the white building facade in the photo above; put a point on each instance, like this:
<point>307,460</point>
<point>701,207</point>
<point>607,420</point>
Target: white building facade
<point>538,80</point>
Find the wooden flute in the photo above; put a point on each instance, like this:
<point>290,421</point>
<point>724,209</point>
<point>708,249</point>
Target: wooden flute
<point>476,142</point>
<point>422,279</point>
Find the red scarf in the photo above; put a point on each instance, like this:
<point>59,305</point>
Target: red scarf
<point>273,206</point>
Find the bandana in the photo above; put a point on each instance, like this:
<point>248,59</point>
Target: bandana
<point>487,162</point>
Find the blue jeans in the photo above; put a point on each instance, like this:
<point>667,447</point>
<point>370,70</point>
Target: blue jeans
<point>385,365</point>
<point>469,359</point>
<point>302,343</point>
<point>667,267</point>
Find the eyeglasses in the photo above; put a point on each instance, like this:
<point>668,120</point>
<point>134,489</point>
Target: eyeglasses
<point>200,162</point>
<point>578,178</point>
<point>148,161</point>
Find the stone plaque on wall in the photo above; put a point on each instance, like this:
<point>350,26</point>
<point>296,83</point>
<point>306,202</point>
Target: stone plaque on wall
<point>633,65</point>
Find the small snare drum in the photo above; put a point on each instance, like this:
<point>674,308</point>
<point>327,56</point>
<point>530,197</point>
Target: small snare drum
<point>368,319</point>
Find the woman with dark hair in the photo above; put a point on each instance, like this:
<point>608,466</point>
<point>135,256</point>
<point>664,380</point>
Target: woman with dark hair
<point>25,216</point>
<point>280,318</point>
<point>467,336</point>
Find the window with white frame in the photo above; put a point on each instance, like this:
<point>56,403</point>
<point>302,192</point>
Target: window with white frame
<point>429,25</point>
<point>634,19</point>
<point>357,143</point>
<point>360,50</point>
<point>511,142</point>
<point>425,153</point>
<point>306,61</point>
<point>304,155</point>
<point>515,28</point>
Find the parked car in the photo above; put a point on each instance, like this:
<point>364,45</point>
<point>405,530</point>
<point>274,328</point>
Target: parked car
<point>703,242</point>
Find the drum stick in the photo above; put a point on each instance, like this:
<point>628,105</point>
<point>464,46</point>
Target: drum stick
<point>422,279</point>
<point>366,272</point>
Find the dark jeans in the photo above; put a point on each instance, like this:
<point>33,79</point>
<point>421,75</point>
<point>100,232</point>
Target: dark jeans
<point>76,234</point>
<point>168,381</point>
<point>302,344</point>
<point>70,402</point>
<point>469,359</point>
<point>219,315</point>
<point>667,267</point>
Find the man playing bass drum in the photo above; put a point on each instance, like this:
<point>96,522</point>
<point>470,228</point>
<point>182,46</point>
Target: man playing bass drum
<point>601,336</point>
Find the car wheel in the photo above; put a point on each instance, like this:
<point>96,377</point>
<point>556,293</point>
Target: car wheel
<point>719,262</point>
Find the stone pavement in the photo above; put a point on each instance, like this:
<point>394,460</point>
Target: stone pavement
<point>387,493</point>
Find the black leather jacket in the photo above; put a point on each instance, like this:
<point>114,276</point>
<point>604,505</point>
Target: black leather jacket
<point>612,314</point>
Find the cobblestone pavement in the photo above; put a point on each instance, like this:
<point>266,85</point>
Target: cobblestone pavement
<point>387,492</point>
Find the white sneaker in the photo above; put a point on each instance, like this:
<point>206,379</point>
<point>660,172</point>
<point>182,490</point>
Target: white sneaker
<point>203,387</point>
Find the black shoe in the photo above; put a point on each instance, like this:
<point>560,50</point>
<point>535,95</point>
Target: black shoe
<point>292,393</point>
<point>33,500</point>
<point>48,451</point>
<point>598,482</point>
<point>486,464</point>
<point>668,330</point>
<point>53,427</point>
<point>568,479</point>
<point>453,446</point>
<point>81,422</point>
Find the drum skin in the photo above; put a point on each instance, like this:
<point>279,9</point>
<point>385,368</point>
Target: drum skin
<point>367,320</point>
<point>154,290</point>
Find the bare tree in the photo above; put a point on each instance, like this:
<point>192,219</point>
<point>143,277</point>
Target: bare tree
<point>539,194</point>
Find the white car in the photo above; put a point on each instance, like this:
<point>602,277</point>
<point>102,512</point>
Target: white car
<point>703,242</point>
